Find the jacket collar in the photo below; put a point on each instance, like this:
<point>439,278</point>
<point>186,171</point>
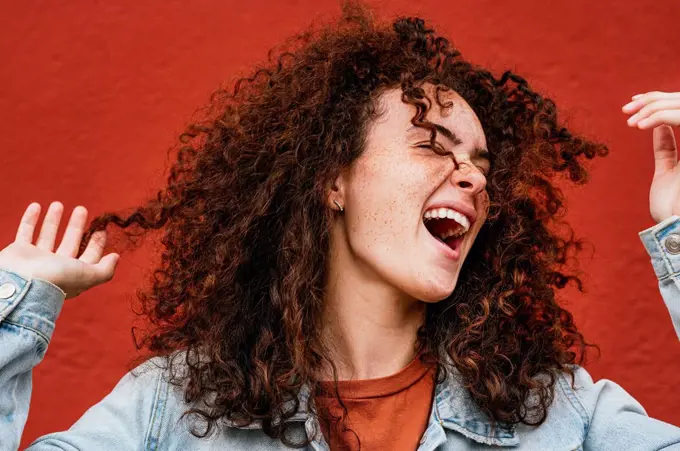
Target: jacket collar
<point>452,408</point>
<point>455,410</point>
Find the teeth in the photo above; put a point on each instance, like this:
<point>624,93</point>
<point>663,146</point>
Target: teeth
<point>452,232</point>
<point>441,213</point>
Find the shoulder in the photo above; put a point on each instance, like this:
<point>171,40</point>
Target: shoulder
<point>155,389</point>
<point>162,382</point>
<point>140,412</point>
<point>589,414</point>
<point>580,400</point>
<point>612,417</point>
<point>589,397</point>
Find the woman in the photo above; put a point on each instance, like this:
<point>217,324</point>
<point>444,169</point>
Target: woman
<point>360,252</point>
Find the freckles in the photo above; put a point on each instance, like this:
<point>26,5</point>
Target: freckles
<point>393,207</point>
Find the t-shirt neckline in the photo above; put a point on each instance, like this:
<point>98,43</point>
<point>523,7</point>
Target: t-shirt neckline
<point>378,387</point>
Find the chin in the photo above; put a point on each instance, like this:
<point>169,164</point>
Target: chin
<point>437,292</point>
<point>435,299</point>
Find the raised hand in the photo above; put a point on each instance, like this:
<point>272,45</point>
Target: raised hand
<point>62,268</point>
<point>661,111</point>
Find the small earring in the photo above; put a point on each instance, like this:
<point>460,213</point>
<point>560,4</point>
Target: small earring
<point>342,210</point>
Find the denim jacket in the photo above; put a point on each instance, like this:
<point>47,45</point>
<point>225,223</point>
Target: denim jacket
<point>144,412</point>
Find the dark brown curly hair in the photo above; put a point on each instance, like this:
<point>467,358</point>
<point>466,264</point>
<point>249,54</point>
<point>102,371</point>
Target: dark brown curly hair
<point>245,228</point>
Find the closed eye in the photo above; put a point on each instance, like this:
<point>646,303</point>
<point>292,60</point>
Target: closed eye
<point>441,151</point>
<point>438,150</point>
<point>429,146</point>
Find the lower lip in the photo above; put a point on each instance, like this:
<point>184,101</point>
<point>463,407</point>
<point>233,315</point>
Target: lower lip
<point>451,252</point>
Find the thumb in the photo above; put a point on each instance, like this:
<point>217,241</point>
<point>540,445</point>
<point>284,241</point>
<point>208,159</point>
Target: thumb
<point>665,149</point>
<point>105,268</point>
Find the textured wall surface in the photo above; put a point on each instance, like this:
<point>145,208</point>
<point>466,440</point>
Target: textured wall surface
<point>93,93</point>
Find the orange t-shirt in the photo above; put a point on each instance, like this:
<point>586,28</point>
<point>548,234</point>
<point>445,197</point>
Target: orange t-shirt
<point>386,413</point>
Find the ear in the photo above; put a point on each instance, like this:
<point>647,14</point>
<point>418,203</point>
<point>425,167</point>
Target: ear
<point>336,192</point>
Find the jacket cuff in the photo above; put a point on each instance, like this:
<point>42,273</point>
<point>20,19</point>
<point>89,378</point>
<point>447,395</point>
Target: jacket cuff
<point>662,243</point>
<point>32,303</point>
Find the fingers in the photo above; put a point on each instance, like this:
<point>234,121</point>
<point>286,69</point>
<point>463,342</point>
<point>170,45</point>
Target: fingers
<point>653,109</point>
<point>95,248</point>
<point>27,223</point>
<point>48,231</point>
<point>665,149</point>
<point>664,117</point>
<point>652,96</point>
<point>73,234</point>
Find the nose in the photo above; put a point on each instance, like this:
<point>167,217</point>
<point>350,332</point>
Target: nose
<point>468,177</point>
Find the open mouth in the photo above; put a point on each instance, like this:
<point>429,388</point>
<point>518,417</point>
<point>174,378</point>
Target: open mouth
<point>446,225</point>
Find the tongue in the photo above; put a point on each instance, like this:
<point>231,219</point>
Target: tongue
<point>450,241</point>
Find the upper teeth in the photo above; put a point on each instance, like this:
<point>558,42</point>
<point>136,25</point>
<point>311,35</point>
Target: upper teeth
<point>450,214</point>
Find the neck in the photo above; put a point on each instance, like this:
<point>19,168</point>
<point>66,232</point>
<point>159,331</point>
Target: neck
<point>369,327</point>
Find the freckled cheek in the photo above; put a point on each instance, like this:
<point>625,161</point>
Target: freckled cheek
<point>390,200</point>
<point>370,209</point>
<point>383,222</point>
<point>385,226</point>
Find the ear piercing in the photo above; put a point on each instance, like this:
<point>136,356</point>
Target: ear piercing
<point>342,210</point>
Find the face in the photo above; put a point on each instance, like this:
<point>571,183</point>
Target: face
<point>402,200</point>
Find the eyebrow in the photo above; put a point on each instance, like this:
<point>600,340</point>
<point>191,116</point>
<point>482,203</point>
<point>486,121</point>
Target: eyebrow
<point>478,152</point>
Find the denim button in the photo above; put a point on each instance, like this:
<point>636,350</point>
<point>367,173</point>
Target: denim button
<point>7,290</point>
<point>673,243</point>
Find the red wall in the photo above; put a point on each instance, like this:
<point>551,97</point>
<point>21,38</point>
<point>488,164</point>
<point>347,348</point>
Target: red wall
<point>93,93</point>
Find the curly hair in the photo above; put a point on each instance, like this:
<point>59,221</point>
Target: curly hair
<point>239,289</point>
